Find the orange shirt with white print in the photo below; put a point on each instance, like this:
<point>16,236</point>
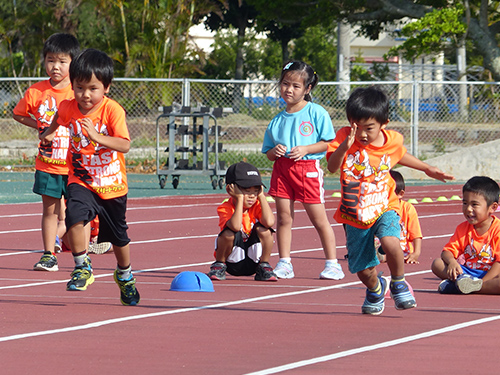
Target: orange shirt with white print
<point>250,216</point>
<point>410,226</point>
<point>42,101</point>
<point>366,186</point>
<point>96,167</point>
<point>474,251</point>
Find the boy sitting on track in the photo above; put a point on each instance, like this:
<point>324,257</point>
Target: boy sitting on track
<point>470,261</point>
<point>365,152</point>
<point>411,234</point>
<point>245,241</point>
<point>97,183</point>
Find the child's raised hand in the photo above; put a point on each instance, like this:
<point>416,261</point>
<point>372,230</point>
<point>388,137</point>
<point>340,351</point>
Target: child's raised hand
<point>349,141</point>
<point>438,174</point>
<point>233,190</point>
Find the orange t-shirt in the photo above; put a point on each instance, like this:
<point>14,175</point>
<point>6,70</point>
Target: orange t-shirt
<point>90,164</point>
<point>474,251</point>
<point>366,186</point>
<point>250,216</point>
<point>410,226</point>
<point>41,101</point>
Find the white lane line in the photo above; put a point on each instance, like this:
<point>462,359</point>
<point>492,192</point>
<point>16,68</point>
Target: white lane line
<point>364,349</point>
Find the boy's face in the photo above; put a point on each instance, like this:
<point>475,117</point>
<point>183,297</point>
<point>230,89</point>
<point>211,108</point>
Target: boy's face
<point>476,209</point>
<point>369,131</point>
<point>249,194</point>
<point>89,95</point>
<point>57,66</point>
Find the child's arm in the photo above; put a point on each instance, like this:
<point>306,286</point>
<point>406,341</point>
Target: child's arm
<point>26,120</point>
<point>267,218</point>
<point>412,258</point>
<point>236,221</point>
<point>276,152</point>
<point>454,269</point>
<point>337,157</point>
<point>298,152</point>
<point>411,161</point>
<point>48,134</point>
<point>114,143</point>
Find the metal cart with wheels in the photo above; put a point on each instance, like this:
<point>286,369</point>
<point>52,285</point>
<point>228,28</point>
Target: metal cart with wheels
<point>186,142</point>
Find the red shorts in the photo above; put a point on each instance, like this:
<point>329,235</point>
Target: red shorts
<point>300,181</point>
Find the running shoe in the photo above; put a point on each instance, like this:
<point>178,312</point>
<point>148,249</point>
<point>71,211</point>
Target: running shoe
<point>48,262</point>
<point>374,303</point>
<point>57,245</point>
<point>468,284</point>
<point>99,248</point>
<point>401,294</point>
<point>332,272</point>
<point>81,277</point>
<point>217,271</point>
<point>264,272</point>
<point>448,287</point>
<point>129,295</point>
<point>284,270</point>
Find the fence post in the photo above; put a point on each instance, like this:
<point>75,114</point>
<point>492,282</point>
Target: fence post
<point>414,108</point>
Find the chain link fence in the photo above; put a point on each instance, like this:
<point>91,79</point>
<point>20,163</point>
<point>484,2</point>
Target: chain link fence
<point>434,117</point>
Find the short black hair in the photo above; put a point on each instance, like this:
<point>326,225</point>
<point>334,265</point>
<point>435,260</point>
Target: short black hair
<point>400,181</point>
<point>484,186</point>
<point>368,102</point>
<point>303,69</point>
<point>62,43</point>
<point>92,61</point>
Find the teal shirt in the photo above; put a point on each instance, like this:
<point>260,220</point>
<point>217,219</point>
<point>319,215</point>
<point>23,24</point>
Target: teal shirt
<point>303,128</point>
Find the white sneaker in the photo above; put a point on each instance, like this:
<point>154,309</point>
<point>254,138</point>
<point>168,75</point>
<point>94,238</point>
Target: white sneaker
<point>468,284</point>
<point>332,272</point>
<point>99,248</point>
<point>284,270</point>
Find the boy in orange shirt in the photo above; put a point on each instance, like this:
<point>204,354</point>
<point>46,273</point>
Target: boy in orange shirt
<point>36,110</point>
<point>365,152</point>
<point>470,261</point>
<point>245,241</point>
<point>411,234</point>
<point>97,180</point>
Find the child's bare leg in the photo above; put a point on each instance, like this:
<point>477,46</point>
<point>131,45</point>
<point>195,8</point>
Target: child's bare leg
<point>61,225</point>
<point>225,242</point>
<point>491,286</point>
<point>439,268</point>
<point>122,254</point>
<point>266,240</point>
<point>394,255</point>
<point>285,214</point>
<point>317,215</point>
<point>51,209</point>
<point>78,240</point>
<point>369,277</point>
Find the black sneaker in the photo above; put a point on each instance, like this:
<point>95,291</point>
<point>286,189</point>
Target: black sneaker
<point>129,295</point>
<point>81,277</point>
<point>217,271</point>
<point>47,262</point>
<point>264,272</point>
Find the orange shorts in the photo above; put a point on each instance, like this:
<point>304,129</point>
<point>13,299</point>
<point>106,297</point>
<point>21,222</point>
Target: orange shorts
<point>300,181</point>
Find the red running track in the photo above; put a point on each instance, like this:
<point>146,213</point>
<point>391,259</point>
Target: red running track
<point>299,326</point>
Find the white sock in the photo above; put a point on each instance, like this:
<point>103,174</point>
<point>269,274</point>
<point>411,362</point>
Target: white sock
<point>286,260</point>
<point>330,262</point>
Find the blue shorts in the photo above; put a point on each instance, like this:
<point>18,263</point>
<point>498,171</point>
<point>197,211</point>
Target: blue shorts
<point>361,245</point>
<point>475,273</point>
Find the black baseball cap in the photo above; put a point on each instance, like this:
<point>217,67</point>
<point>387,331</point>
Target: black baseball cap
<point>244,175</point>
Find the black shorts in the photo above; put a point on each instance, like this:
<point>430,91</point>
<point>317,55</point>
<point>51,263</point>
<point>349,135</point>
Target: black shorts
<point>83,205</point>
<point>245,256</point>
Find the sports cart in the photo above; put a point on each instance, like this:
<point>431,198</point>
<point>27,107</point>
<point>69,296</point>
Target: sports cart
<point>193,146</point>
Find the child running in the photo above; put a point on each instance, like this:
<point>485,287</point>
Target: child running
<point>411,234</point>
<point>97,182</point>
<point>245,241</point>
<point>296,140</point>
<point>470,261</point>
<point>364,152</point>
<point>36,110</point>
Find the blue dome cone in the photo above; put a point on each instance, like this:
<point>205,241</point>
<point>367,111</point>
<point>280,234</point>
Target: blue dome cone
<point>192,281</point>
